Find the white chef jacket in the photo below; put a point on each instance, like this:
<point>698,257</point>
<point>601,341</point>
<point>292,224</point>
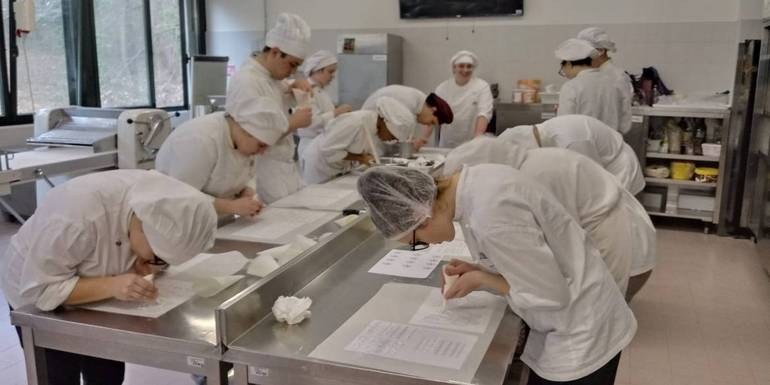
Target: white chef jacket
<point>277,172</point>
<point>468,102</point>
<point>412,98</point>
<point>323,113</point>
<point>622,81</point>
<point>201,153</point>
<point>596,140</point>
<point>558,284</point>
<point>593,93</point>
<point>80,230</point>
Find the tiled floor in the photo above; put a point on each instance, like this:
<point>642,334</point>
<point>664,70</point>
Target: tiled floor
<point>704,318</point>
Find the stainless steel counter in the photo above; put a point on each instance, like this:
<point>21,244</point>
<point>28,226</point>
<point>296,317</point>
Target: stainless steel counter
<point>335,277</point>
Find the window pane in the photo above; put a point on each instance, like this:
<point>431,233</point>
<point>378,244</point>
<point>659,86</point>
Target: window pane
<point>47,71</point>
<point>122,53</point>
<point>167,53</point>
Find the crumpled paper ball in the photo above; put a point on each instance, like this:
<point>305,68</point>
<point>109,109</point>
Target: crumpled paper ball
<point>292,310</point>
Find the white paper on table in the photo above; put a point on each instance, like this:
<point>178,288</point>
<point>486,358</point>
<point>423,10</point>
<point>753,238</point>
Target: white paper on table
<point>347,182</point>
<point>206,265</point>
<point>171,293</point>
<point>318,197</point>
<point>414,344</point>
<point>263,265</point>
<point>456,249</point>
<point>471,313</point>
<point>275,225</point>
<point>211,286</point>
<point>407,263</point>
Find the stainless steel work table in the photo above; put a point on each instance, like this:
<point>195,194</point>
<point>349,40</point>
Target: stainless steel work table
<point>184,339</point>
<point>264,351</point>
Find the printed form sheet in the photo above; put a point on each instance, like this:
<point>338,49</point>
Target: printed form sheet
<point>275,225</point>
<point>401,330</point>
<point>407,263</point>
<point>171,293</point>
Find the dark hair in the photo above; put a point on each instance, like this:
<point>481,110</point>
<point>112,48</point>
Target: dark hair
<point>267,49</point>
<point>583,62</point>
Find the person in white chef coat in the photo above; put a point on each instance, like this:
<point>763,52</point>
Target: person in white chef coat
<point>429,110</point>
<point>589,91</point>
<point>96,237</point>
<point>354,137</point>
<point>470,99</point>
<point>600,40</point>
<point>319,68</point>
<point>616,222</point>
<point>217,153</point>
<point>527,248</point>
<point>266,73</point>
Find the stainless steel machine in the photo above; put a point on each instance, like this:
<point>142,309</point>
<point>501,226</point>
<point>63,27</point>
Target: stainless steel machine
<point>367,62</point>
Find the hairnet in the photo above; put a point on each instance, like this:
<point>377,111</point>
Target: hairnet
<point>443,110</point>
<point>575,49</point>
<point>290,34</point>
<point>318,61</point>
<point>465,57</point>
<point>598,38</point>
<point>483,150</point>
<point>179,221</point>
<point>400,121</point>
<point>399,199</point>
<point>254,112</point>
<point>523,136</point>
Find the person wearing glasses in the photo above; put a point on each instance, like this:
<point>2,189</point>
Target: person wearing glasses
<point>354,137</point>
<point>265,74</point>
<point>527,248</point>
<point>319,69</point>
<point>429,110</point>
<point>589,91</point>
<point>96,237</point>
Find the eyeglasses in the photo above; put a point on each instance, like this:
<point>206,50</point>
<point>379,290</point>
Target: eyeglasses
<point>417,245</point>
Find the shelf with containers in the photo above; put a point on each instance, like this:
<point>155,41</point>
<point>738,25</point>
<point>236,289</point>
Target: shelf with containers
<point>683,198</point>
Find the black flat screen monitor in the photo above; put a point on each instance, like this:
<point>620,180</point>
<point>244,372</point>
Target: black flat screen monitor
<point>421,9</point>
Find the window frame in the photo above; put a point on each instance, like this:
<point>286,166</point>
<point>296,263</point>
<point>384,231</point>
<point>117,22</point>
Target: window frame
<point>80,47</point>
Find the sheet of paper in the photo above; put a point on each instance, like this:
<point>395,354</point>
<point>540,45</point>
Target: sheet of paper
<point>211,286</point>
<point>275,225</point>
<point>206,265</point>
<point>471,313</point>
<point>317,197</point>
<point>346,182</point>
<point>407,263</point>
<point>454,249</point>
<point>171,293</point>
<point>414,344</point>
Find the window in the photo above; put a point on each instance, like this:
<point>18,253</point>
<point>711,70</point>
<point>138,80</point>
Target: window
<point>121,49</point>
<point>167,52</point>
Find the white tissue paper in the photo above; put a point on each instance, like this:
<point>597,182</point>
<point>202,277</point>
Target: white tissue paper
<point>262,265</point>
<point>292,310</point>
<point>209,287</point>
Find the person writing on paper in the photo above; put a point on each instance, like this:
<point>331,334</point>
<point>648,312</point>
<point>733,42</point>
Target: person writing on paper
<point>587,136</point>
<point>265,74</point>
<point>589,91</point>
<point>217,153</point>
<point>319,68</point>
<point>353,137</point>
<point>470,99</point>
<point>94,238</point>
<point>616,222</point>
<point>528,248</point>
<point>600,40</point>
<point>429,110</point>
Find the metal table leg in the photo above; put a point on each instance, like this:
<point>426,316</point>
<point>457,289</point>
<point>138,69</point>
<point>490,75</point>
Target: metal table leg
<point>34,357</point>
<point>11,210</point>
<point>241,374</point>
<point>216,372</point>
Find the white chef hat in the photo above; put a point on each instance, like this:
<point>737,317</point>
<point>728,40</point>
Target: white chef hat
<point>575,49</point>
<point>400,121</point>
<point>317,61</point>
<point>254,112</point>
<point>179,221</point>
<point>520,135</point>
<point>465,57</point>
<point>598,38</point>
<point>290,34</point>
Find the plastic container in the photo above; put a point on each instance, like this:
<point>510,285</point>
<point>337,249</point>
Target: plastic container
<point>706,174</point>
<point>682,170</point>
<point>711,149</point>
<point>657,171</point>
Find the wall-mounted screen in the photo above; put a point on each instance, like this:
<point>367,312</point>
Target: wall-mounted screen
<point>419,9</point>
